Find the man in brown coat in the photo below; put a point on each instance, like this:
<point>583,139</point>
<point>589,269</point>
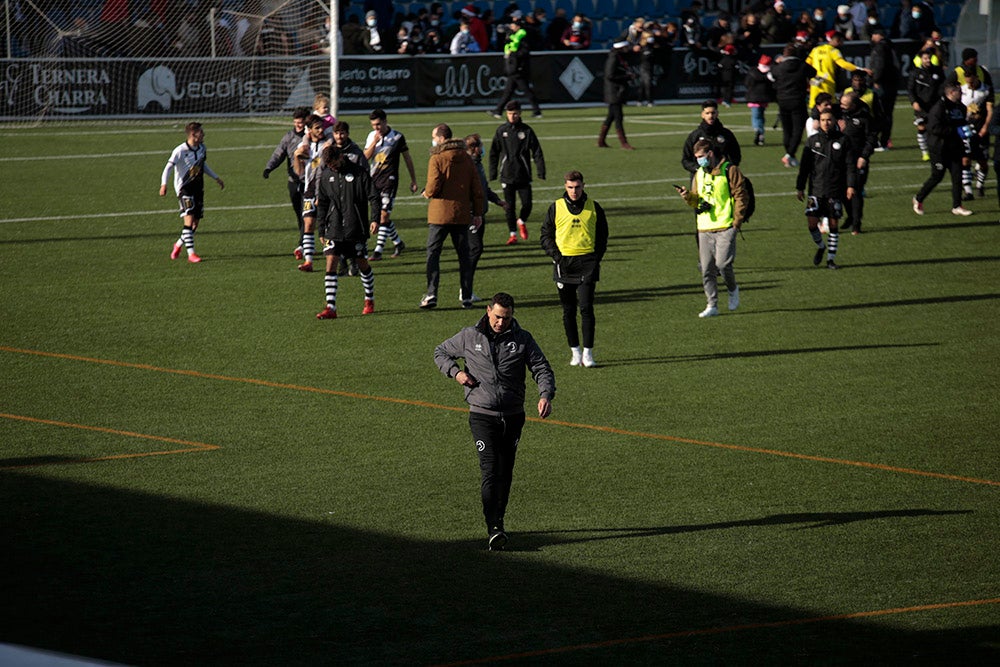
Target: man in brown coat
<point>456,200</point>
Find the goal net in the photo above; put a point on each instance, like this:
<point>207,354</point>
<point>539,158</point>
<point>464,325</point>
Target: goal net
<point>140,58</point>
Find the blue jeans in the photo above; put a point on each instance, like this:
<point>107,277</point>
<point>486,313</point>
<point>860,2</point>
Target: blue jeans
<point>757,119</point>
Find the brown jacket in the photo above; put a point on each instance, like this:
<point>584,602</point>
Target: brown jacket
<point>453,186</point>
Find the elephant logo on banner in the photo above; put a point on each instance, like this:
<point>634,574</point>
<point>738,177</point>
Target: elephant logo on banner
<point>157,84</point>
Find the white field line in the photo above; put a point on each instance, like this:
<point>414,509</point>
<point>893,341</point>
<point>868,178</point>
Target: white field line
<point>415,203</point>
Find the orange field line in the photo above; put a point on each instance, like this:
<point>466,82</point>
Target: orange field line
<point>191,445</point>
<point>721,630</point>
<point>591,427</point>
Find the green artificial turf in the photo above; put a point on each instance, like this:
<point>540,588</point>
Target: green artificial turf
<point>811,479</point>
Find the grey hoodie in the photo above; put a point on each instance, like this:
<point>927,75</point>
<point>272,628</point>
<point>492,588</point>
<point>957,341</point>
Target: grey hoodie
<point>499,363</point>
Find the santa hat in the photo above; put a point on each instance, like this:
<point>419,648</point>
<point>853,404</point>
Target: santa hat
<point>765,60</point>
<point>831,34</point>
<point>469,10</point>
<point>802,36</point>
<point>729,48</point>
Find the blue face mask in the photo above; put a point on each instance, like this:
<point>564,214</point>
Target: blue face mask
<point>703,162</point>
<point>915,14</point>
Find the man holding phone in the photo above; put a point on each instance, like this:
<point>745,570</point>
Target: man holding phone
<point>720,198</point>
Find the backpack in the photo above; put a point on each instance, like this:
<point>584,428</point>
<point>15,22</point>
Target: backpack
<point>751,196</point>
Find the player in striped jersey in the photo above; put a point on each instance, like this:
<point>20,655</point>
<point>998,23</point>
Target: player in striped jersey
<point>308,162</point>
<point>187,162</point>
<point>383,148</point>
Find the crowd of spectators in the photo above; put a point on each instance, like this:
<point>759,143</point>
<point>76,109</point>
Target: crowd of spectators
<point>273,28</point>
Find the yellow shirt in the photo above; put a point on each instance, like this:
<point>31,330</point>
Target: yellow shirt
<point>576,234</point>
<point>825,58</point>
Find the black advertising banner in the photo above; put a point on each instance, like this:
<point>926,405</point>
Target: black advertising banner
<point>125,88</point>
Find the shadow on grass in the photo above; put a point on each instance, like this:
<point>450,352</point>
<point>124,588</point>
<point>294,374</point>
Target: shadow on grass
<point>155,580</point>
<point>684,358</point>
<point>536,539</point>
<point>927,301</point>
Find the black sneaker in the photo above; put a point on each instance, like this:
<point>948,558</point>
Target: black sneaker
<point>818,257</point>
<point>429,301</point>
<point>981,192</point>
<point>830,264</point>
<point>400,247</point>
<point>967,195</point>
<point>342,268</point>
<point>498,539</point>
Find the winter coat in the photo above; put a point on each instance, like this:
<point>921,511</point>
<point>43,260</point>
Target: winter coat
<point>580,268</point>
<point>721,138</point>
<point>791,82</point>
<point>824,165</point>
<point>453,189</point>
<point>499,363</point>
<point>511,153</point>
<point>344,199</point>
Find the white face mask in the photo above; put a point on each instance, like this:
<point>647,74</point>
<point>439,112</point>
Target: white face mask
<point>577,25</point>
<point>817,16</point>
<point>434,143</point>
<point>915,14</point>
<point>872,20</point>
<point>371,23</point>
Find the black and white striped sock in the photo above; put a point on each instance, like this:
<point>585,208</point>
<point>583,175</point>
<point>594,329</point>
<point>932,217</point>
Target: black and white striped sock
<point>187,238</point>
<point>331,290</point>
<point>308,245</point>
<point>368,282</point>
<point>831,244</point>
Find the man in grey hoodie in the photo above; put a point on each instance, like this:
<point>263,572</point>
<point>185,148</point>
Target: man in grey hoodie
<point>497,354</point>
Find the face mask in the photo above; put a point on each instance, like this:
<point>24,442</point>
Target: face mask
<point>817,17</point>
<point>371,23</point>
<point>434,143</point>
<point>577,25</point>
<point>464,31</point>
<point>872,21</point>
<point>915,14</point>
<point>703,162</point>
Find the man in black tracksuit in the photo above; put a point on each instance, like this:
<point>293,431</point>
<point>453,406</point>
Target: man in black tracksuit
<point>791,89</point>
<point>885,81</point>
<point>856,124</point>
<point>945,123</point>
<point>285,152</point>
<point>924,88</point>
<point>514,147</point>
<point>345,196</point>
<point>825,166</point>
<point>498,354</point>
<point>711,129</point>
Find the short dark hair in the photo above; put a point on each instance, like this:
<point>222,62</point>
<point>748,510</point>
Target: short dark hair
<point>473,140</point>
<point>312,120</point>
<point>969,53</point>
<point>443,131</point>
<point>709,104</point>
<point>341,126</point>
<point>192,127</point>
<point>701,145</point>
<point>573,176</point>
<point>513,105</point>
<point>824,97</point>
<point>301,112</point>
<point>333,157</point>
<point>377,114</point>
<point>503,300</point>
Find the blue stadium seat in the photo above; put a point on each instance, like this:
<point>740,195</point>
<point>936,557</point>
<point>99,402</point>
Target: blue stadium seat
<point>649,9</point>
<point>948,14</point>
<point>545,5</point>
<point>604,9</point>
<point>568,5</point>
<point>625,9</point>
<point>585,7</point>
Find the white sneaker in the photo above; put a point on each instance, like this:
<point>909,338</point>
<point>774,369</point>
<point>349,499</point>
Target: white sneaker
<point>960,210</point>
<point>576,359</point>
<point>473,299</point>
<point>734,299</point>
<point>918,207</point>
<point>710,311</point>
<point>588,357</point>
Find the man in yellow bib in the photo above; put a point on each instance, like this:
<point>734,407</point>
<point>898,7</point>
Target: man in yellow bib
<point>575,235</point>
<point>720,198</point>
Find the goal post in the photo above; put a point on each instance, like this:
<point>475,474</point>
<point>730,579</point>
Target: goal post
<point>120,59</point>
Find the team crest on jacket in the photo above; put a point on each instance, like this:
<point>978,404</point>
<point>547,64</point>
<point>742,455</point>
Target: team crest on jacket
<point>836,145</point>
<point>349,178</point>
<point>521,135</point>
<point>512,346</point>
<point>720,139</point>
